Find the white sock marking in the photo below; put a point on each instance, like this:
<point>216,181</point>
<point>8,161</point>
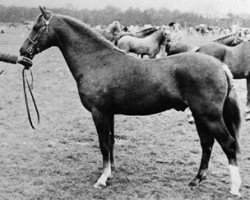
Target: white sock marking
<point>235,180</point>
<point>105,175</point>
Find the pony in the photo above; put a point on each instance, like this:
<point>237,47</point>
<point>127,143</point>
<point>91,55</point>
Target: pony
<point>111,31</point>
<point>180,47</point>
<point>140,34</point>
<point>229,40</point>
<point>150,45</point>
<point>111,82</point>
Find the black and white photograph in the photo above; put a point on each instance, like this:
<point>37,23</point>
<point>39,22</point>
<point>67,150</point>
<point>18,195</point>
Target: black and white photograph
<point>125,100</point>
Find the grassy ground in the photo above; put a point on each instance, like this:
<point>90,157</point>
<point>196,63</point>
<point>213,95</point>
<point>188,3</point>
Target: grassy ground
<point>156,156</point>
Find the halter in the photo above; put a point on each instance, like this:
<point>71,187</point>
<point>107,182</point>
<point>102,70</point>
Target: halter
<point>34,41</point>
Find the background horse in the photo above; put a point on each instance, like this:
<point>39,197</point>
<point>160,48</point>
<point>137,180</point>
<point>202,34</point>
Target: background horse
<point>180,47</point>
<point>110,82</point>
<point>140,34</point>
<point>111,31</point>
<point>229,40</point>
<point>150,45</point>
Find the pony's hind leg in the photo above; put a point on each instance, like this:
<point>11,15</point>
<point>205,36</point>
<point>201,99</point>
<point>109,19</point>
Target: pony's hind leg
<point>207,142</point>
<point>230,148</point>
<point>102,123</point>
<point>216,128</point>
<point>248,100</point>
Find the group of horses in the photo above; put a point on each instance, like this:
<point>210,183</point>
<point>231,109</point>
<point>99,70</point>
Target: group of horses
<point>145,42</point>
<point>111,82</point>
<point>225,49</point>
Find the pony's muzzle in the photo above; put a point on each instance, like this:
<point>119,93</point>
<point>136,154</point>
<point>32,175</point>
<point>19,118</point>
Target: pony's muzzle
<point>27,52</point>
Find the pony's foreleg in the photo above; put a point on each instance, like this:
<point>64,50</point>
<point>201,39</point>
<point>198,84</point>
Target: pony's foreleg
<point>102,123</point>
<point>207,142</point>
<point>248,99</point>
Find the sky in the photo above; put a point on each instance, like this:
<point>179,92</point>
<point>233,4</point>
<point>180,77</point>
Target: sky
<point>205,7</point>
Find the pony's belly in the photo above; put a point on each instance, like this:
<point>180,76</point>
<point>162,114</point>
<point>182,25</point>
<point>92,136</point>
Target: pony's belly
<point>146,108</point>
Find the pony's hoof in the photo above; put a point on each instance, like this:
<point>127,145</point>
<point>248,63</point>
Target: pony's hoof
<point>196,181</point>
<point>192,184</point>
<point>191,120</point>
<point>111,176</point>
<point>99,185</point>
<point>235,193</point>
<point>247,118</point>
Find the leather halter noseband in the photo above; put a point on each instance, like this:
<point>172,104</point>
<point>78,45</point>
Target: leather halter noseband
<point>34,41</point>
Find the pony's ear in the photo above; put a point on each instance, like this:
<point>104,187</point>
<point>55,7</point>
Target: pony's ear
<point>46,14</point>
<point>42,9</point>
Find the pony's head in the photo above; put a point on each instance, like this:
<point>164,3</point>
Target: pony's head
<point>115,27</point>
<point>40,37</point>
<point>166,35</point>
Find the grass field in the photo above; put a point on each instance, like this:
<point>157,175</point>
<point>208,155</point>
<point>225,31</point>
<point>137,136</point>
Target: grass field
<point>156,156</point>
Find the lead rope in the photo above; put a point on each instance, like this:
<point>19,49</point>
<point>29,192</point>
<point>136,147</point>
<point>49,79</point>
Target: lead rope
<point>30,86</point>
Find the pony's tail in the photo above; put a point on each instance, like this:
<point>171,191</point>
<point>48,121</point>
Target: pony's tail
<point>231,110</point>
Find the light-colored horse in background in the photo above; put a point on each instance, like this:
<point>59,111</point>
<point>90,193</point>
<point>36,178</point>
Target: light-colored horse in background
<point>150,45</point>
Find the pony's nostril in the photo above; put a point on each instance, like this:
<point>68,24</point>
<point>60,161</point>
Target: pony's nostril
<point>22,51</point>
<point>30,50</point>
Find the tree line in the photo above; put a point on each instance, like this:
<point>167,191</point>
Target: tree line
<point>131,16</point>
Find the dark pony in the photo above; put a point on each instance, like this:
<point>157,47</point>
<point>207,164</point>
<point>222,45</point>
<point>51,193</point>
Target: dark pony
<point>229,40</point>
<point>111,82</point>
<point>179,47</point>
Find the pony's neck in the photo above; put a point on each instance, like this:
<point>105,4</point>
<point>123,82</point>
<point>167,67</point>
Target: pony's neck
<point>77,41</point>
<point>159,36</point>
<point>77,32</point>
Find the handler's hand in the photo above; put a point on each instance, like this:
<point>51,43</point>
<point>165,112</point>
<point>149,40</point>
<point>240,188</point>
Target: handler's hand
<point>26,62</point>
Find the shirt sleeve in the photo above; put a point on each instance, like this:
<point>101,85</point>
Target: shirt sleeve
<point>5,57</point>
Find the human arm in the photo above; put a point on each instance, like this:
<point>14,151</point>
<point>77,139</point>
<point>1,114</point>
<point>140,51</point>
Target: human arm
<point>5,57</point>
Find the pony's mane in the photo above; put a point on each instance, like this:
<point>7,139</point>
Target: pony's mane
<point>224,37</point>
<point>148,30</point>
<point>158,31</point>
<point>79,25</point>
